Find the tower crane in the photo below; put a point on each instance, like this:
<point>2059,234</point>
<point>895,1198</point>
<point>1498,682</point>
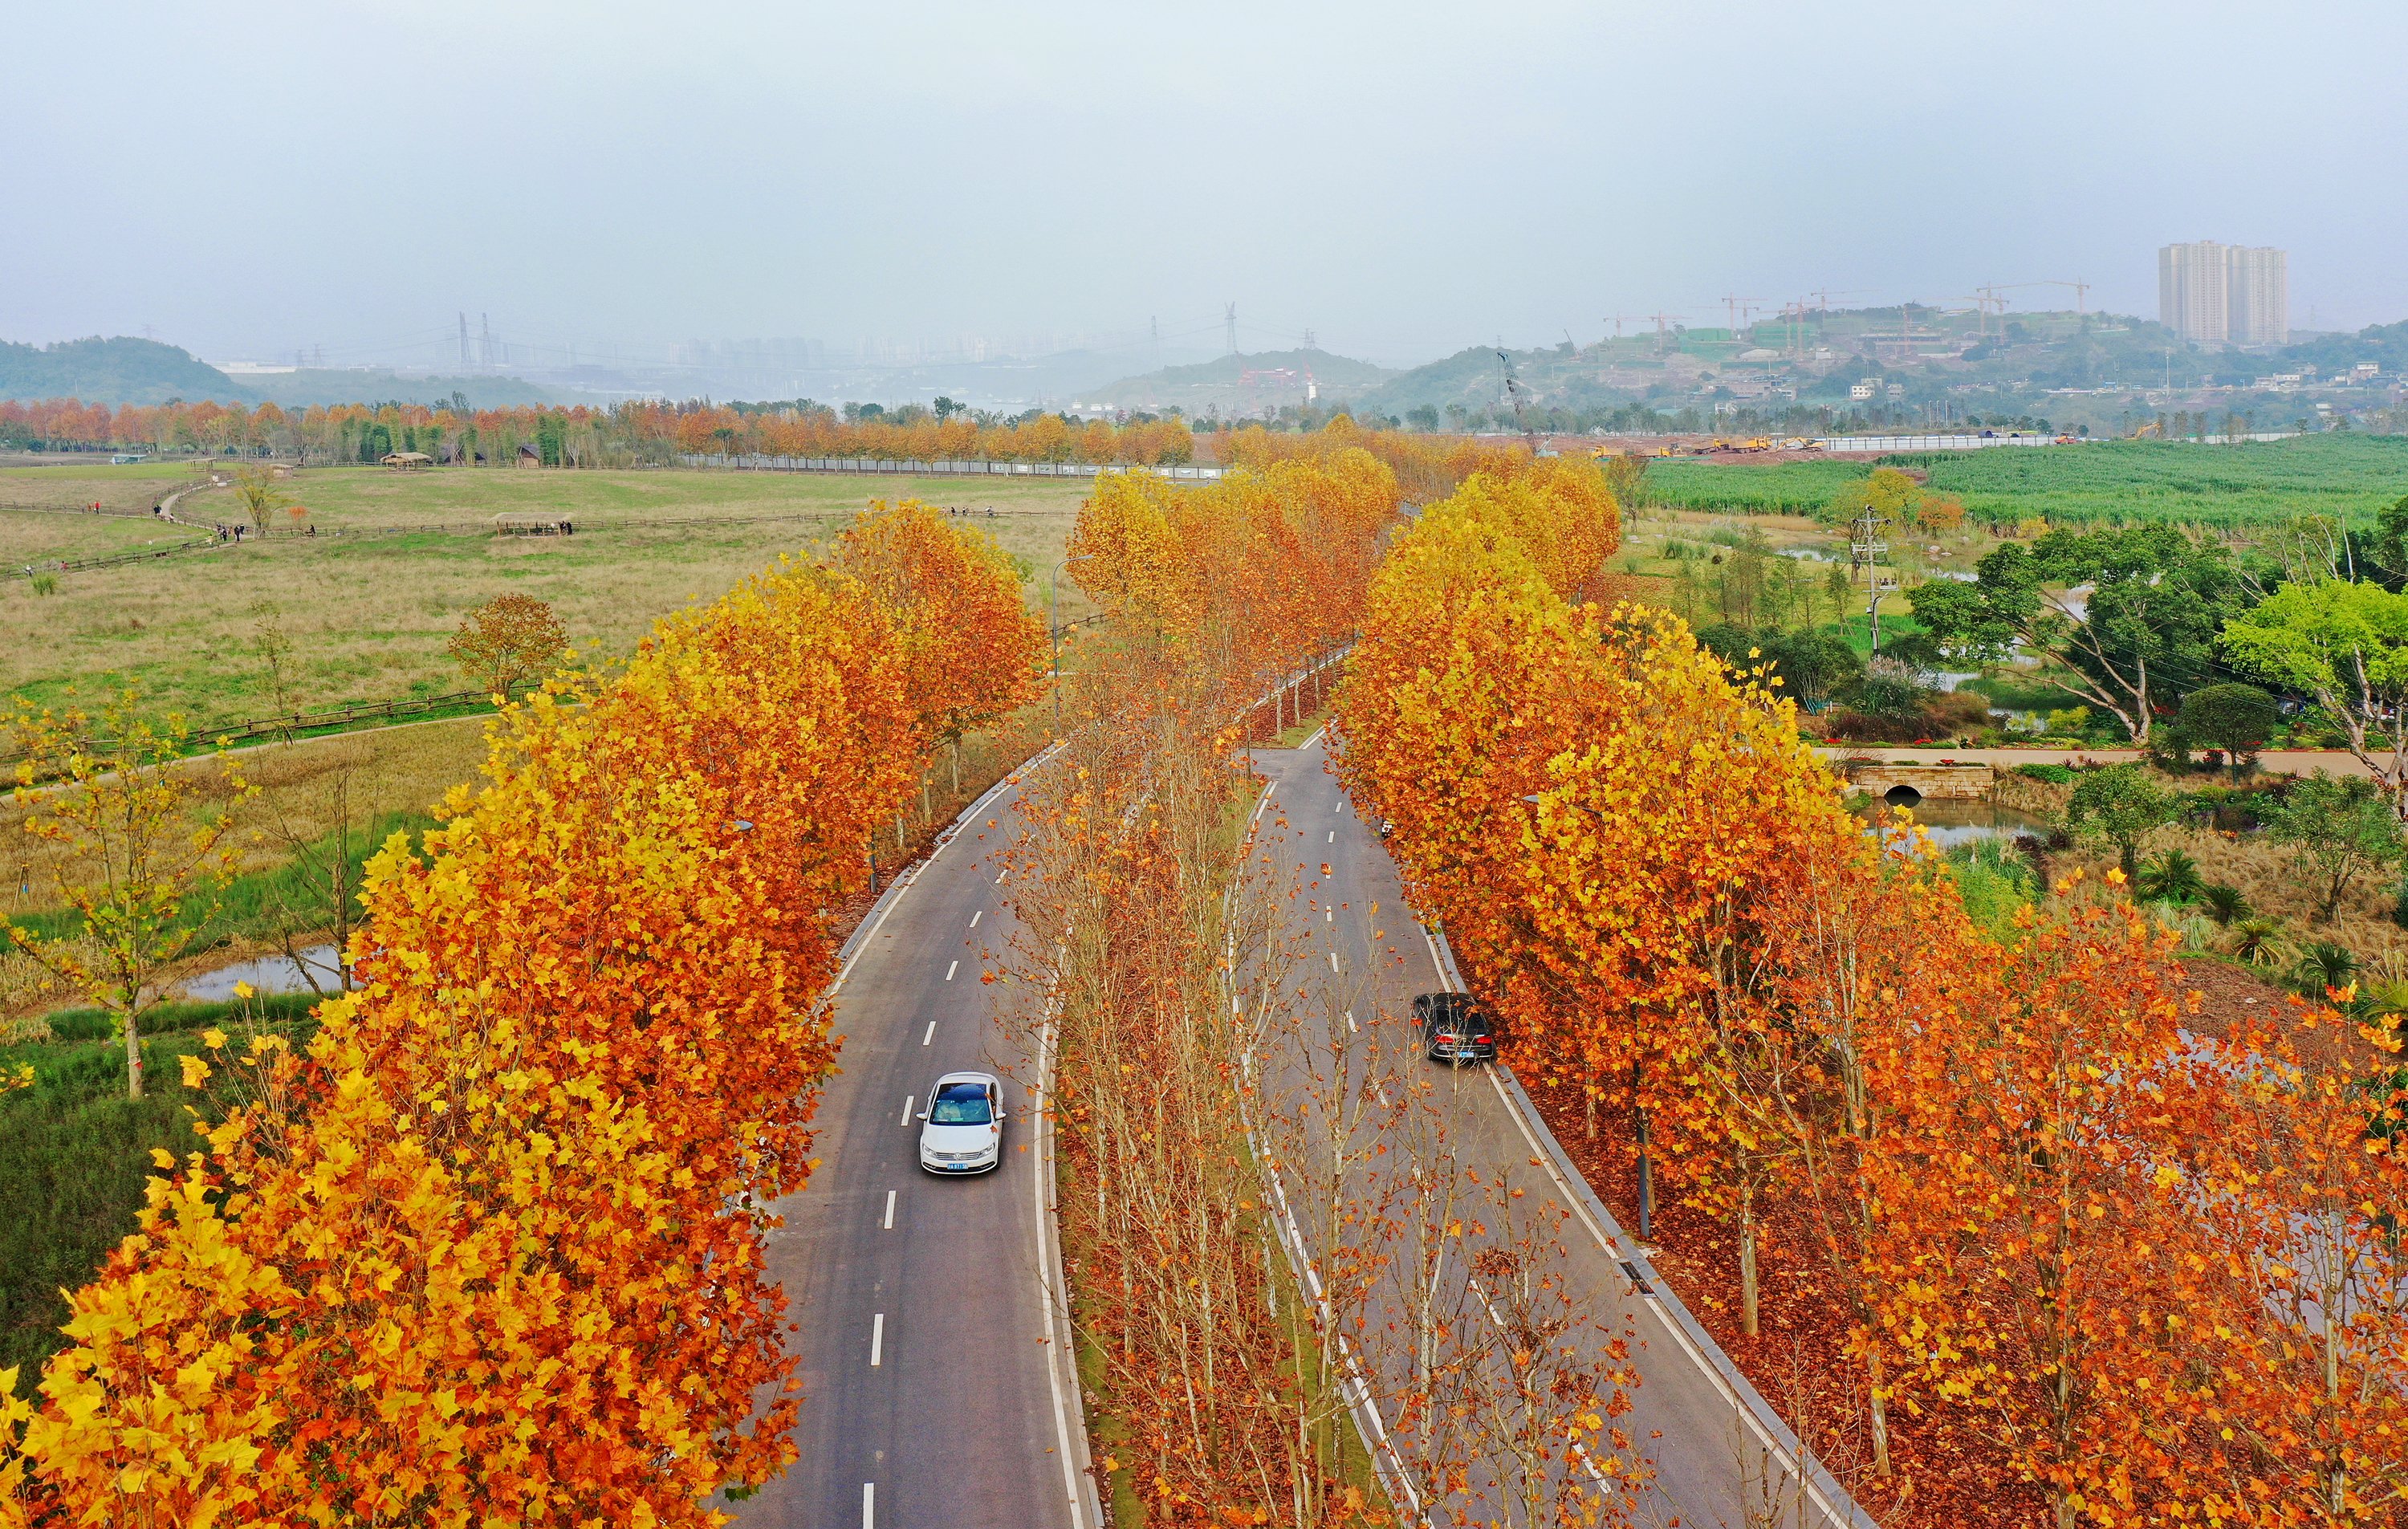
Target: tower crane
<point>1616,320</point>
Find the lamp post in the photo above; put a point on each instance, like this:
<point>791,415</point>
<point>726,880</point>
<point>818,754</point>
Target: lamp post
<point>1054,627</point>
<point>1638,1110</point>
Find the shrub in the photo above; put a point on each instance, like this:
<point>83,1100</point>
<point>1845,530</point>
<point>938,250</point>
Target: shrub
<point>2171,877</point>
<point>2225,903</point>
<point>2055,775</point>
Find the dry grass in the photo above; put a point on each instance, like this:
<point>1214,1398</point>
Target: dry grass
<point>2271,877</point>
<point>369,618</point>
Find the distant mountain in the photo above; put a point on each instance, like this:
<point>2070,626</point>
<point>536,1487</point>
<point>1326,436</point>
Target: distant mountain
<point>1238,384</point>
<point>122,370</point>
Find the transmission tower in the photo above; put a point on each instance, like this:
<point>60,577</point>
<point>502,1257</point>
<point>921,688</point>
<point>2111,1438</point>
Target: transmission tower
<point>464,340</point>
<point>1233,329</point>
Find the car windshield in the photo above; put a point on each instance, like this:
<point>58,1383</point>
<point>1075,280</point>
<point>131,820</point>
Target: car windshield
<point>961,1103</point>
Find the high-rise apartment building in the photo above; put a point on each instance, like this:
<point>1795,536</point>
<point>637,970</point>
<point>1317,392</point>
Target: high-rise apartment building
<point>2214,293</point>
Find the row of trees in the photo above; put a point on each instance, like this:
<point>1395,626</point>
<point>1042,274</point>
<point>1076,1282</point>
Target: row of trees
<point>489,1249</point>
<point>2155,1272</point>
<point>626,435</point>
<point>1199,1099</point>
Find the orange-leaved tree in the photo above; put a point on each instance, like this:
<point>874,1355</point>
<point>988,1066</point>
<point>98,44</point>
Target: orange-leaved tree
<point>508,641</point>
<point>970,647</point>
<point>490,1251</point>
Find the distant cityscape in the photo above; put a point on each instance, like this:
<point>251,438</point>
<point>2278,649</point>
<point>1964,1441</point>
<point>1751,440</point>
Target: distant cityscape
<point>2213,293</point>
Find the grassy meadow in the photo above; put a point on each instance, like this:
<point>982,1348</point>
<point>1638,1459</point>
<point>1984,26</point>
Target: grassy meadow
<point>369,618</point>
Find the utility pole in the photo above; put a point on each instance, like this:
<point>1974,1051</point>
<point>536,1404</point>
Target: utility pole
<point>1867,546</point>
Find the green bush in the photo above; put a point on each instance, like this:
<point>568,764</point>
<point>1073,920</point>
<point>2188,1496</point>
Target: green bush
<point>1993,881</point>
<point>2055,775</point>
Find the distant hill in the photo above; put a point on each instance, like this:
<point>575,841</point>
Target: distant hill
<point>2386,345</point>
<point>1239,384</point>
<point>122,370</point>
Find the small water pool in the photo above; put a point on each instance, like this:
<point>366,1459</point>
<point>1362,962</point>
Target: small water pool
<point>1951,823</point>
<point>268,974</point>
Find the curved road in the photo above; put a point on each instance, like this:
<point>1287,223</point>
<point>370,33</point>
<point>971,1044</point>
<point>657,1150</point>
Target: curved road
<point>932,1393</point>
<point>1721,1457</point>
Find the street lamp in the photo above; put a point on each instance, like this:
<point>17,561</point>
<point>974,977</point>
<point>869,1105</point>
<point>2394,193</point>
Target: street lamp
<point>1638,1110</point>
<point>1054,626</point>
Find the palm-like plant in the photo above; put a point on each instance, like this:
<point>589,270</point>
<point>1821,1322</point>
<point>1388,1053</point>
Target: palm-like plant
<point>2324,965</point>
<point>2171,877</point>
<point>2257,941</point>
<point>2223,904</point>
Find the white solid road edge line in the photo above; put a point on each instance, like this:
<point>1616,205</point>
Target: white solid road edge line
<point>1059,1339</point>
<point>1830,1512</point>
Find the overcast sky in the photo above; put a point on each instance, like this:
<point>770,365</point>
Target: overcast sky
<point>1404,180</point>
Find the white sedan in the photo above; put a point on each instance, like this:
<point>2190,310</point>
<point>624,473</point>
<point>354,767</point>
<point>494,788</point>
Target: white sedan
<point>962,1129</point>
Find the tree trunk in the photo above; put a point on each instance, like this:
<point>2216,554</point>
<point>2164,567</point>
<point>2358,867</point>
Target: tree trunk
<point>133,1058</point>
<point>1747,1288</point>
<point>1879,1408</point>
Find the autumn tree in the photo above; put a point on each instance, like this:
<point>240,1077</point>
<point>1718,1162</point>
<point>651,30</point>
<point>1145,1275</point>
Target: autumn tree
<point>255,490</point>
<point>971,648</point>
<point>120,808</point>
<point>508,641</point>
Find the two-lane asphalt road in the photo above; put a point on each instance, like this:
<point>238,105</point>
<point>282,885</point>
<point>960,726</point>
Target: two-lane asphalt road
<point>927,1342</point>
<point>1716,1450</point>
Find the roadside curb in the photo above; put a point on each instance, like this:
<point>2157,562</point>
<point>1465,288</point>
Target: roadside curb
<point>1834,1503</point>
<point>1061,1349</point>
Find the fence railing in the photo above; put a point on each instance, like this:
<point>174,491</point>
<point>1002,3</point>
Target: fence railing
<point>246,728</point>
<point>949,468</point>
<point>79,564</point>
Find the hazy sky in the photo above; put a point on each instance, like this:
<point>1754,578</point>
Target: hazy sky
<point>1404,180</point>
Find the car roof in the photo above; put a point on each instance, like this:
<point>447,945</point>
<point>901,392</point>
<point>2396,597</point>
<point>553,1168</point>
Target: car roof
<point>987,1078</point>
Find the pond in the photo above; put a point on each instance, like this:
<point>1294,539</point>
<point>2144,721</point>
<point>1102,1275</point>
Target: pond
<point>267,973</point>
<point>1951,823</point>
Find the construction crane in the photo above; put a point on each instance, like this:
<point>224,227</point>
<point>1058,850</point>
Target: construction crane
<point>1731,306</point>
<point>1616,320</point>
<point>1663,335</point>
<point>1822,295</point>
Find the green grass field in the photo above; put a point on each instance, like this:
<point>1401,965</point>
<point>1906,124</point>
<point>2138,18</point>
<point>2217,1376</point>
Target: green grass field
<point>369,618</point>
<point>2229,488</point>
